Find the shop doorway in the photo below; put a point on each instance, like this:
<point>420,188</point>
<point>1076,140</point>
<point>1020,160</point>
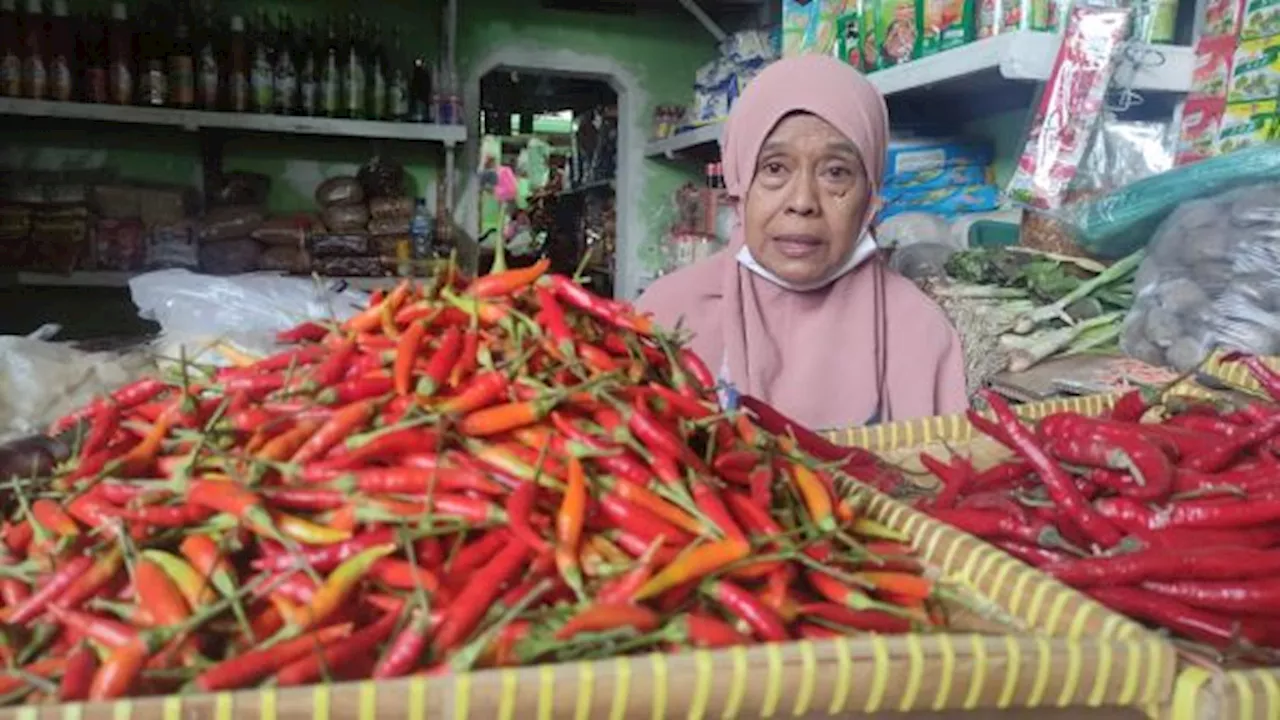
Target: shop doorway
<point>533,62</point>
<point>548,164</point>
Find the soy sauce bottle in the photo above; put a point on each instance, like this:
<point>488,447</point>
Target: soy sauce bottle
<point>309,72</point>
<point>62,54</point>
<point>122,70</point>
<point>331,75</point>
<point>209,60</point>
<point>35,61</point>
<point>354,78</point>
<point>262,76</point>
<point>286,68</point>
<point>10,49</point>
<point>182,62</point>
<point>239,74</point>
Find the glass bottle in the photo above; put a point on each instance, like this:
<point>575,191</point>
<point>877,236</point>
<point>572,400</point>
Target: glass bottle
<point>94,48</point>
<point>262,70</point>
<point>377,75</point>
<point>239,85</point>
<point>182,62</point>
<point>35,60</point>
<point>286,83</point>
<point>62,54</point>
<point>10,49</point>
<point>331,74</point>
<point>155,72</point>
<point>353,71</point>
<point>309,72</point>
<point>420,91</point>
<point>398,87</point>
<point>209,61</point>
<point>120,49</point>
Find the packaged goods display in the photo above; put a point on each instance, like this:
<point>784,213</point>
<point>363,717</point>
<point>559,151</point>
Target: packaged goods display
<point>475,540</point>
<point>191,55</point>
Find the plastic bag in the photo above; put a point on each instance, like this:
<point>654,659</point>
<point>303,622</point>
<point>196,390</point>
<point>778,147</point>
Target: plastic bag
<point>1211,279</point>
<point>1120,222</point>
<point>344,190</point>
<point>228,223</point>
<point>230,257</point>
<point>345,218</point>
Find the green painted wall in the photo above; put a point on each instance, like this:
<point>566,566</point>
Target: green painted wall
<point>661,53</point>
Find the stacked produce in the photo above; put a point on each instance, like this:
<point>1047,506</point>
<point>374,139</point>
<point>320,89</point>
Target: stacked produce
<point>465,474</point>
<point>1168,512</point>
<point>1016,308</point>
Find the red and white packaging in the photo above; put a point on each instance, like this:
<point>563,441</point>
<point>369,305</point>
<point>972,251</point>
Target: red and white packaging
<point>1070,106</point>
<point>1214,57</point>
<point>1198,134</point>
<point>1221,17</point>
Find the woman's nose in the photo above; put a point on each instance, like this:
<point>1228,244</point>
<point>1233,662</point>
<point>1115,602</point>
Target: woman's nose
<point>803,199</point>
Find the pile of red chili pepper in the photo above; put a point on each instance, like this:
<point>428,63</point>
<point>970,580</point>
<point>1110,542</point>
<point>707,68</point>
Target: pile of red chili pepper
<point>465,474</point>
<point>1167,509</point>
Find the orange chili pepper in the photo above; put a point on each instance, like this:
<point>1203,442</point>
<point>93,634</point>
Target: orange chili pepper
<point>53,518</point>
<point>158,594</point>
<point>342,424</point>
<point>815,496</point>
<point>282,447</point>
<point>406,354</point>
<point>508,281</point>
<point>569,522</point>
<point>371,317</point>
<point>601,617</point>
<point>694,564</point>
<point>501,418</point>
<point>196,589</point>
<point>654,503</point>
<point>137,460</point>
<point>339,585</point>
<point>900,584</point>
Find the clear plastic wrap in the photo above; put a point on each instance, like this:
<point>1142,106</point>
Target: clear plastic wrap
<point>1122,221</point>
<point>196,310</point>
<point>1211,279</point>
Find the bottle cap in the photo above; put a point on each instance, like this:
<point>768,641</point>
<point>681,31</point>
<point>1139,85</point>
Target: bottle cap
<point>237,23</point>
<point>119,11</point>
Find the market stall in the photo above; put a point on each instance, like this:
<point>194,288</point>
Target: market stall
<point>351,469</point>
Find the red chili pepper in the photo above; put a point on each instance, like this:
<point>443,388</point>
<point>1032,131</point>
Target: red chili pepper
<point>658,439</point>
<point>102,630</point>
<point>1056,480</point>
<point>552,318</point>
<point>1197,514</point>
<point>520,505</point>
<point>405,651</point>
<point>248,668</point>
<point>127,397</point>
<point>856,620</point>
<point>1222,453</point>
<point>695,367</point>
<point>483,390</point>
<point>638,521</point>
<point>764,622</point>
<point>990,524</point>
<point>356,390</point>
<point>52,588</point>
<point>469,607</point>
<point>441,363</point>
<point>600,617</point>
<point>337,657</point>
<point>82,665</point>
<point>308,499</point>
<point>714,508</point>
<point>1269,379</point>
<point>334,430</point>
<point>1220,631</point>
<point>478,552</point>
<point>304,332</point>
<point>328,557</point>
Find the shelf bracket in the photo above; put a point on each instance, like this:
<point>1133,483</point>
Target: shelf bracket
<point>703,19</point>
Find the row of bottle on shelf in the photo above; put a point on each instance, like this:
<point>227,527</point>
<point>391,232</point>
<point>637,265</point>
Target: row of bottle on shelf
<point>185,55</point>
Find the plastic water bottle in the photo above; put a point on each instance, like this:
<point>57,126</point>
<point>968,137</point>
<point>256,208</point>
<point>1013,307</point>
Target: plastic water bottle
<point>420,230</point>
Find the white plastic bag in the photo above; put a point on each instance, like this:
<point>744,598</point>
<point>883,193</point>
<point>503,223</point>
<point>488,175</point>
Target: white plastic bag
<point>1211,279</point>
<point>196,310</point>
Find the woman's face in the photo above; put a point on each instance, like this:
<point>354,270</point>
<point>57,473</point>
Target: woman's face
<point>807,199</point>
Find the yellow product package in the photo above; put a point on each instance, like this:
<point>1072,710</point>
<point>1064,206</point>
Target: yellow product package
<point>945,24</point>
<point>1246,125</point>
<point>1255,71</point>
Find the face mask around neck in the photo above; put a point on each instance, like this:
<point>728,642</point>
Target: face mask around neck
<point>865,248</point>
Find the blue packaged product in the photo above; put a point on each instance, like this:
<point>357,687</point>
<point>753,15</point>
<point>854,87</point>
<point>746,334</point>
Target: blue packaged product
<point>939,178</point>
<point>946,201</point>
<point>915,155</point>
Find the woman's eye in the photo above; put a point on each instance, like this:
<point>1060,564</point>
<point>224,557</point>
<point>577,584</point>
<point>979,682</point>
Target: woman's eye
<point>772,168</point>
<point>839,172</point>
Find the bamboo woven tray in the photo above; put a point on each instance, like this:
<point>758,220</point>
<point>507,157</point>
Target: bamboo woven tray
<point>1199,693</point>
<point>1064,651</point>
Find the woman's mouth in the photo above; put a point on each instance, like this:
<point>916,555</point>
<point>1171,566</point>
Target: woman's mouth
<point>797,247</point>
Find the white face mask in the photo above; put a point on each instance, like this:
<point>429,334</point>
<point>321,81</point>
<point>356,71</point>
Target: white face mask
<point>865,248</point>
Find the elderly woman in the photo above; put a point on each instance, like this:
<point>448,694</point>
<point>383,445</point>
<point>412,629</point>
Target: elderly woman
<point>800,310</point>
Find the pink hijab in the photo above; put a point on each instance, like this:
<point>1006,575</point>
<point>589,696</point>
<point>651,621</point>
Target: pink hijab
<point>835,339</point>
